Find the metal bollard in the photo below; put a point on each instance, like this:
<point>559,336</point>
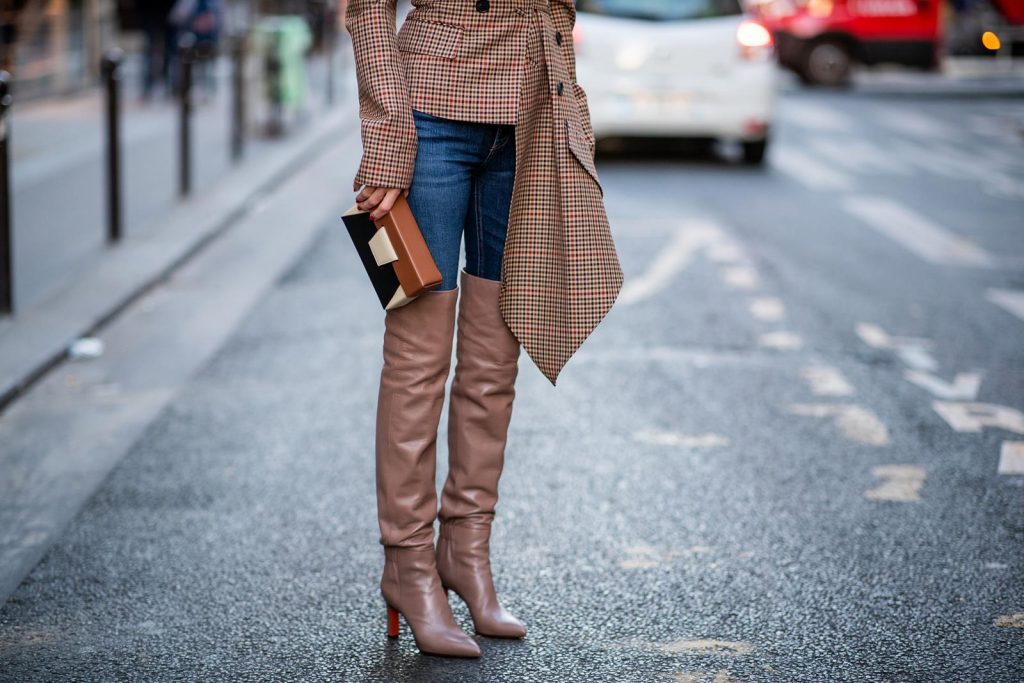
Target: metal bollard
<point>275,91</point>
<point>111,69</point>
<point>238,49</point>
<point>330,34</point>
<point>6,244</point>
<point>186,55</point>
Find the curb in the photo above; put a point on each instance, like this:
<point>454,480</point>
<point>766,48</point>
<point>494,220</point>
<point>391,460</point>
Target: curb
<point>54,322</point>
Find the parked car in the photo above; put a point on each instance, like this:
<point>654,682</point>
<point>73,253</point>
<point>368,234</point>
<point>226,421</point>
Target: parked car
<point>666,68</point>
<point>820,40</point>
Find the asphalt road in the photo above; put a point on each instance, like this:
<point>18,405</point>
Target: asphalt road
<point>791,453</point>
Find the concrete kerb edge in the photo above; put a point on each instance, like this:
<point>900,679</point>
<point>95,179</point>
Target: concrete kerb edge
<point>13,387</point>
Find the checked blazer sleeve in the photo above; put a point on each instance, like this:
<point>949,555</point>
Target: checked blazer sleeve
<point>385,113</point>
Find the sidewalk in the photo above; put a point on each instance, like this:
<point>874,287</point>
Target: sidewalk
<point>76,283</point>
<point>58,170</point>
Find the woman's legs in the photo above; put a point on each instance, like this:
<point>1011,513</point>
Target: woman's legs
<point>417,356</point>
<point>480,406</point>
<point>447,156</point>
<point>489,203</point>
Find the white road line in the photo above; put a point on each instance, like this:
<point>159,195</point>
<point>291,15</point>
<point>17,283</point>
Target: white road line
<point>673,258</point>
<point>859,156</point>
<point>964,386</point>
<point>855,422</point>
<point>1011,458</point>
<point>817,117</point>
<point>740,277</point>
<point>1015,620</point>
<point>810,172</point>
<point>726,252</point>
<point>916,233</point>
<point>911,350</point>
<point>900,483</point>
<point>973,417</point>
<point>874,336</point>
<point>913,123</point>
<point>943,160</point>
<point>677,439</point>
<point>1010,300</point>
<point>768,308</point>
<point>781,340</point>
<point>827,381</point>
<point>709,647</point>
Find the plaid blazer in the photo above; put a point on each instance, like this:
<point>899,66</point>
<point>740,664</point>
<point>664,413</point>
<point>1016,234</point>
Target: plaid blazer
<point>510,62</point>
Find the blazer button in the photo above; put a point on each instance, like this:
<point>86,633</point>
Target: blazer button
<point>561,87</point>
<point>483,5</point>
<point>558,37</point>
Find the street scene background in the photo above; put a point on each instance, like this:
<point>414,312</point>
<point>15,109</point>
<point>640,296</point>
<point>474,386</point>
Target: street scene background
<point>793,451</point>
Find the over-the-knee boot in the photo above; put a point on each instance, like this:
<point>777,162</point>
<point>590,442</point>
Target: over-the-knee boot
<point>417,357</point>
<point>480,408</point>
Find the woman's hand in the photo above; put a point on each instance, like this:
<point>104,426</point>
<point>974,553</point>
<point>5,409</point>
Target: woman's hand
<point>378,200</point>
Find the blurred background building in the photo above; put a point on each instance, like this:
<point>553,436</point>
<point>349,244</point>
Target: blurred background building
<point>53,47</point>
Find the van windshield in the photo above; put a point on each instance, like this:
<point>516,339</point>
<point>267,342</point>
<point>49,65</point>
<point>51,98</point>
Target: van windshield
<point>661,10</point>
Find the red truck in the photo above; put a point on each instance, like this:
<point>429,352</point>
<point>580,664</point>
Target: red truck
<point>821,39</point>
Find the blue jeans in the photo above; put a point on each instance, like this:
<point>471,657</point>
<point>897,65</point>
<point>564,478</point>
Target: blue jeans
<point>462,181</point>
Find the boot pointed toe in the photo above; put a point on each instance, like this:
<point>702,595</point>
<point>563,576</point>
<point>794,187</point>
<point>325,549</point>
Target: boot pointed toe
<point>503,626</point>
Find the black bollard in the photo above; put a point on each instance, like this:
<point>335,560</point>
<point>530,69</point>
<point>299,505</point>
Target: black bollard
<point>275,90</point>
<point>6,244</point>
<point>186,55</point>
<point>330,33</point>
<point>111,69</point>
<point>238,97</point>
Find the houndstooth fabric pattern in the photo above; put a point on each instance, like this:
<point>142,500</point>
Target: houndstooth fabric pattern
<point>560,269</point>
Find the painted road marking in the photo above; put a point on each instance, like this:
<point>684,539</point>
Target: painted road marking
<point>973,417</point>
<point>964,386</point>
<point>670,261</point>
<point>720,676</point>
<point>1015,620</point>
<point>1010,300</point>
<point>677,439</point>
<point>817,117</point>
<point>726,252</point>
<point>827,381</point>
<point>874,336</point>
<point>645,556</point>
<point>913,123</point>
<point>740,277</point>
<point>809,172</point>
<point>781,340</point>
<point>916,233</point>
<point>952,163</point>
<point>1011,458</point>
<point>709,647</point>
<point>859,156</point>
<point>912,351</point>
<point>768,309</point>
<point>900,483</point>
<point>856,423</point>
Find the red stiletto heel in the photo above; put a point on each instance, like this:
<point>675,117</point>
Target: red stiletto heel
<point>392,622</point>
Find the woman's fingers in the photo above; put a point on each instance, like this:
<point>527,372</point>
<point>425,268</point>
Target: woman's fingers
<point>371,202</point>
<point>378,200</point>
<point>386,203</point>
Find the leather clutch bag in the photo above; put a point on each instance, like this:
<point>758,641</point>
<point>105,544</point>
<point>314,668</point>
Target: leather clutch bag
<point>394,253</point>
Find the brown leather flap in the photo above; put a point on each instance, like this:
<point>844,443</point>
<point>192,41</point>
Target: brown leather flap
<point>415,266</point>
